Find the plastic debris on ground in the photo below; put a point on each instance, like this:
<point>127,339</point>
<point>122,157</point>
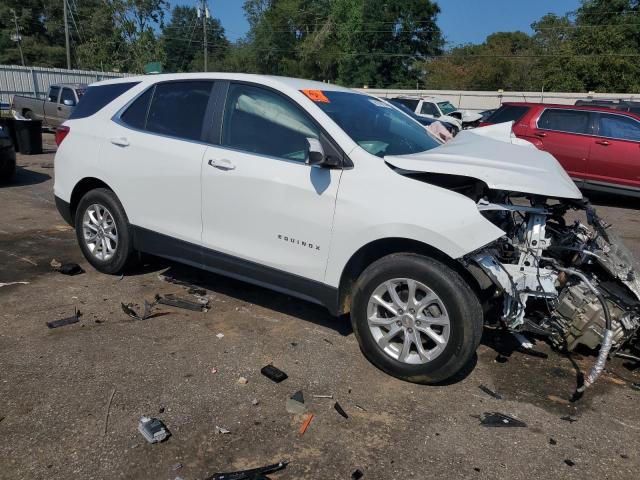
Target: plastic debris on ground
<point>153,430</point>
<point>497,419</point>
<point>295,404</point>
<point>340,410</point>
<point>66,268</point>
<point>243,381</point>
<point>253,474</point>
<point>490,392</point>
<point>273,373</point>
<point>305,423</point>
<point>13,283</point>
<point>220,335</point>
<point>75,318</point>
<point>357,474</point>
<point>173,301</point>
<point>569,418</point>
<point>222,430</point>
<point>146,313</point>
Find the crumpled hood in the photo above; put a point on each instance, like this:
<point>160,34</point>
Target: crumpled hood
<point>501,165</point>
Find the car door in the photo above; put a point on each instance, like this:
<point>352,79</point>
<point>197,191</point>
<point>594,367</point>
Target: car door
<point>51,107</point>
<point>153,156</point>
<point>261,202</point>
<point>614,159</point>
<point>567,135</point>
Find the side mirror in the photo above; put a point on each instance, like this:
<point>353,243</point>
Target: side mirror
<point>69,103</point>
<point>316,155</point>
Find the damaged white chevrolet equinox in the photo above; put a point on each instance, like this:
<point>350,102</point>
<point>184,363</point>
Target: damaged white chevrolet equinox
<point>338,198</point>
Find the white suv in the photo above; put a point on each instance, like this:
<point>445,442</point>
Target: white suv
<point>326,194</point>
<point>442,110</point>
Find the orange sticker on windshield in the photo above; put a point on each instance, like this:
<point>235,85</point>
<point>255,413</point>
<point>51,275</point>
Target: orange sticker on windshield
<point>316,95</point>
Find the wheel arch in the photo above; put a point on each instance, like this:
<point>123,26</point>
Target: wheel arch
<point>81,188</point>
<point>377,249</point>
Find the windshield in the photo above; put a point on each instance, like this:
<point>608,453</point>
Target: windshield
<point>373,124</point>
<point>446,108</point>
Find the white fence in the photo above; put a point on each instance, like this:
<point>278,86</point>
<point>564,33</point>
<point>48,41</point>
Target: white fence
<point>16,80</point>
<point>486,100</point>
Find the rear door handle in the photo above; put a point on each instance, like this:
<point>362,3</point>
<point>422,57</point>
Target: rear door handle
<point>222,164</point>
<point>604,143</point>
<point>120,141</point>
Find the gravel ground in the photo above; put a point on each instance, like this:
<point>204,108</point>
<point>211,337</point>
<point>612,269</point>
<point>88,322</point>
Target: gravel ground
<point>60,417</point>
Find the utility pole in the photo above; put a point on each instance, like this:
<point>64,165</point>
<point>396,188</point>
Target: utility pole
<point>205,17</point>
<point>18,38</point>
<point>66,33</point>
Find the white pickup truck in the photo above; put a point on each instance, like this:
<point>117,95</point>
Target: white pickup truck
<point>55,108</point>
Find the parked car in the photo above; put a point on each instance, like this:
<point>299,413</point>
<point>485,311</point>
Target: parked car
<point>7,157</point>
<point>426,121</point>
<point>442,110</point>
<point>60,101</point>
<point>335,197</point>
<point>598,147</point>
<point>624,105</point>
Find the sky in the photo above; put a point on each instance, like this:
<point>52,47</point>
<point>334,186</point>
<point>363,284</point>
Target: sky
<point>461,21</point>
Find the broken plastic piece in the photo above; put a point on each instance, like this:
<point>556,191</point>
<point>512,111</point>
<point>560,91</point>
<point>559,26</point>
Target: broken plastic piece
<point>253,474</point>
<point>128,309</point>
<point>323,396</point>
<point>222,430</point>
<point>490,392</point>
<point>70,269</point>
<point>173,301</point>
<point>569,418</point>
<point>273,373</point>
<point>340,410</point>
<point>497,419</point>
<point>243,381</point>
<point>305,423</point>
<point>357,474</point>
<point>65,321</point>
<point>220,335</point>
<point>197,291</point>
<point>153,430</point>
<point>295,405</point>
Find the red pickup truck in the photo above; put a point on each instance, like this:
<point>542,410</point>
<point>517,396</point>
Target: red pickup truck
<point>598,147</point>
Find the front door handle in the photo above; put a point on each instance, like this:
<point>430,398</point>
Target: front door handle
<point>604,143</point>
<point>222,164</point>
<point>120,141</point>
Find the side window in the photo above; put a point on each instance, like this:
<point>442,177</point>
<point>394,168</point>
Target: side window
<point>571,121</point>
<point>408,102</point>
<point>259,121</point>
<point>617,126</point>
<point>52,96</point>
<point>136,115</point>
<point>177,108</point>
<point>95,98</point>
<point>429,108</point>
<point>67,95</point>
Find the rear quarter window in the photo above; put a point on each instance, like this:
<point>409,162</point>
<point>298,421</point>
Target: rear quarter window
<point>95,98</point>
<point>570,121</point>
<point>508,113</point>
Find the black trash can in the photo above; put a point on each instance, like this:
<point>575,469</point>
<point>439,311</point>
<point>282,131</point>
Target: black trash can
<point>29,135</point>
<point>7,124</point>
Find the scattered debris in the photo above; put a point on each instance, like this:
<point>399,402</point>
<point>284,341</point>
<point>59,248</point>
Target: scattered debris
<point>106,415</point>
<point>556,399</point>
<point>305,423</point>
<point>273,373</point>
<point>55,264</point>
<point>497,419</point>
<point>254,402</point>
<point>201,292</point>
<point>360,408</point>
<point>253,474</point>
<point>220,335</point>
<point>173,301</point>
<point>532,353</point>
<point>328,341</point>
<point>357,474</point>
<point>571,463</point>
<point>177,466</point>
<point>13,283</point>
<point>569,418</point>
<point>552,441</point>
<point>70,269</point>
<point>128,309</point>
<point>243,381</point>
<point>222,430</point>
<point>295,405</point>
<point>65,321</point>
<point>490,392</point>
<point>340,410</point>
<point>152,429</point>
<point>323,396</point>
<point>214,370</point>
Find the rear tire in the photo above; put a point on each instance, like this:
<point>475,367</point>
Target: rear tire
<point>103,231</point>
<point>442,302</point>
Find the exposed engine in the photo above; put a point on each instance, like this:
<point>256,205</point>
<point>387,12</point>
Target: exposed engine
<point>574,283</point>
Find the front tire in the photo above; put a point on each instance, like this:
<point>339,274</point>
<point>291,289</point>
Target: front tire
<point>415,318</point>
<point>103,231</point>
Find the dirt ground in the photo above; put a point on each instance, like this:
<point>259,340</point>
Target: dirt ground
<point>60,417</point>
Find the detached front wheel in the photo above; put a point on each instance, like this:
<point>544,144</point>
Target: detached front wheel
<point>415,318</point>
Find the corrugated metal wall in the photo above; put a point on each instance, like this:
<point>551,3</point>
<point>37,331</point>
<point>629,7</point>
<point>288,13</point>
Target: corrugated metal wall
<point>16,80</point>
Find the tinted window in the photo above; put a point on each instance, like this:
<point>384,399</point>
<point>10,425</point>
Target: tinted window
<point>97,97</point>
<point>177,109</point>
<point>376,126</point>
<point>67,94</point>
<point>136,115</point>
<point>572,121</point>
<point>408,102</point>
<point>617,126</point>
<point>508,113</point>
<point>429,108</point>
<point>53,94</point>
<point>259,121</point>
